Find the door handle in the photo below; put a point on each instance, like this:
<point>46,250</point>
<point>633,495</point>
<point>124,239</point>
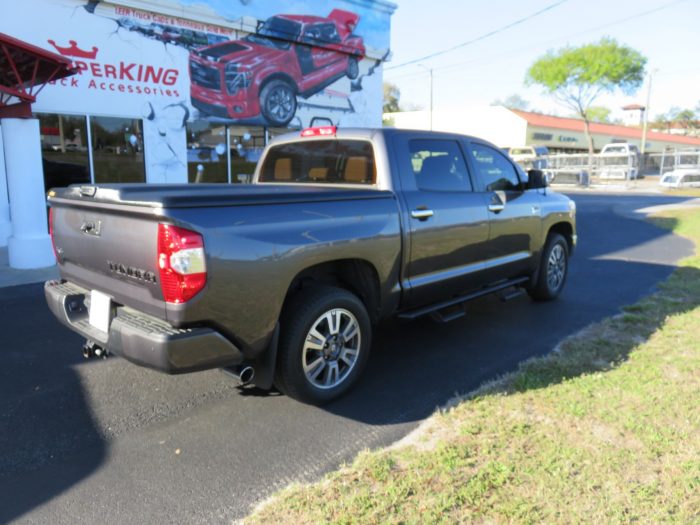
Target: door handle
<point>422,214</point>
<point>497,208</point>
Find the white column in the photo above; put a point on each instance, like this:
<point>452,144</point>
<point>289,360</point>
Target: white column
<point>30,245</point>
<point>5,225</point>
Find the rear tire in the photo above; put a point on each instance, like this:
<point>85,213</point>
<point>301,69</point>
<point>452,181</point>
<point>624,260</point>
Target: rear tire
<point>553,271</point>
<point>353,70</point>
<point>324,344</point>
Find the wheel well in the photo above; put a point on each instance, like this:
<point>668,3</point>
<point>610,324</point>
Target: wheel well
<point>279,76</point>
<point>355,275</point>
<point>565,230</point>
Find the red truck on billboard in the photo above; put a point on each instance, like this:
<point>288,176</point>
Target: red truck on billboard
<point>263,73</point>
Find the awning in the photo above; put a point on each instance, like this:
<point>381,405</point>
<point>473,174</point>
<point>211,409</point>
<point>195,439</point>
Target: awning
<point>24,70</point>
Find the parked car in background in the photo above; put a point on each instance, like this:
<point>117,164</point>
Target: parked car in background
<point>681,178</point>
<point>262,74</point>
<point>530,157</point>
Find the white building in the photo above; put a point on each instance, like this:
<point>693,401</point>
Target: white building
<point>511,128</point>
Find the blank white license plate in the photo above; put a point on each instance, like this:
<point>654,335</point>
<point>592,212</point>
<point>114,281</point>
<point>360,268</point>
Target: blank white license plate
<point>100,310</point>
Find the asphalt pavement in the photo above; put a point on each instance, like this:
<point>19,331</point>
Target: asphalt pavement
<point>109,442</point>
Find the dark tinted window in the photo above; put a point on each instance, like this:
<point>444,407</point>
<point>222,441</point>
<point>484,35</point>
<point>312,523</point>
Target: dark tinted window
<point>438,165</point>
<point>493,169</point>
<point>117,150</point>
<point>320,161</point>
<point>64,150</point>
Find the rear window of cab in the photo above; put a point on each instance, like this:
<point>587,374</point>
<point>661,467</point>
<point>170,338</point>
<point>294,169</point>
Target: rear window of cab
<point>329,161</point>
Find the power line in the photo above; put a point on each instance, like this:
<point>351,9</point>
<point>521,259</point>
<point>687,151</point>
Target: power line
<point>482,37</point>
<point>521,48</point>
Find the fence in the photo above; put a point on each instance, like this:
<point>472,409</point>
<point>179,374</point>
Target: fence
<point>614,168</point>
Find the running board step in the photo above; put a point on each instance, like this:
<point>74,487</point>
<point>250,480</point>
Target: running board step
<point>457,301</point>
<point>512,294</point>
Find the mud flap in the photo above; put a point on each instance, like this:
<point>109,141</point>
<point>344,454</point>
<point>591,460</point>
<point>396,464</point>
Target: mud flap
<point>265,365</point>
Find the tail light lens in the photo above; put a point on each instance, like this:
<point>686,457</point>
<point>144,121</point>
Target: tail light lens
<point>181,263</point>
<point>53,242</point>
<point>321,131</point>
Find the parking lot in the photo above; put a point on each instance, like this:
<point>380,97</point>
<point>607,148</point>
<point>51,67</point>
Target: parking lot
<point>106,441</point>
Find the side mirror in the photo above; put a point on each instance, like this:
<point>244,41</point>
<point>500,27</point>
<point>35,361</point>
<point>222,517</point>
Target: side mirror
<point>536,179</point>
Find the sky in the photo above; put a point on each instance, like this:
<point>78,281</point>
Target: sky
<point>493,68</point>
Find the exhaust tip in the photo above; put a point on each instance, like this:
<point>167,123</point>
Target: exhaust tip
<point>246,374</point>
<point>243,373</point>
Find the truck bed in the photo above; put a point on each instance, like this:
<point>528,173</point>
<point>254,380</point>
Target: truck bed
<point>256,239</point>
<point>199,195</point>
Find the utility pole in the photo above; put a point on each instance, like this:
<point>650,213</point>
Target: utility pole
<point>646,115</point>
<point>430,70</point>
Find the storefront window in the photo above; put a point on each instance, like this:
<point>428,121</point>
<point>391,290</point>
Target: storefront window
<point>64,150</point>
<point>246,147</point>
<point>276,132</point>
<point>206,152</point>
<point>117,150</point>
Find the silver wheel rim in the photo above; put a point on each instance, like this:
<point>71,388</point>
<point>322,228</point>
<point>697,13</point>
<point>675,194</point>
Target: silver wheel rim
<point>280,103</point>
<point>556,267</point>
<point>331,348</point>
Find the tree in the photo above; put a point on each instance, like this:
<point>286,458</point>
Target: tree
<point>513,101</point>
<point>576,76</point>
<point>392,94</point>
<point>599,114</point>
<point>686,119</point>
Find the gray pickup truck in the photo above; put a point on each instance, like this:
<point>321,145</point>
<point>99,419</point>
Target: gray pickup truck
<point>281,281</point>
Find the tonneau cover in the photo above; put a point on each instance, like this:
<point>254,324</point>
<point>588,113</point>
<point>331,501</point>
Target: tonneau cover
<point>199,195</point>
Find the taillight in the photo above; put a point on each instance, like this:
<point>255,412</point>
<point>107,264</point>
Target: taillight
<point>181,263</point>
<point>321,131</point>
<point>53,242</point>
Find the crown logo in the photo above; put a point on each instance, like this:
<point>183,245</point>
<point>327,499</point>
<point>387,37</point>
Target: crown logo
<point>74,51</point>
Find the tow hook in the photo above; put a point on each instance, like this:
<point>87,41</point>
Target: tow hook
<point>92,349</point>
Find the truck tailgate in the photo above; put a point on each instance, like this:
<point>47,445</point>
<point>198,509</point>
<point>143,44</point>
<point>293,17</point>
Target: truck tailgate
<point>110,250</point>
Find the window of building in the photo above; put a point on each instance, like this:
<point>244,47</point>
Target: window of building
<point>64,149</point>
<point>438,165</point>
<point>247,144</point>
<point>206,152</point>
<point>117,150</point>
<point>493,169</point>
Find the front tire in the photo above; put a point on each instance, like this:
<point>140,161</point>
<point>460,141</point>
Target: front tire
<point>553,271</point>
<point>324,344</point>
<point>278,102</point>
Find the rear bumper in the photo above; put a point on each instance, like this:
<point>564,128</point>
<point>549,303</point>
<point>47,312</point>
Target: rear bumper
<point>140,338</point>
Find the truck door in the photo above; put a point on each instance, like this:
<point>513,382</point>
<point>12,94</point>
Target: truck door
<point>447,222</point>
<point>514,213</point>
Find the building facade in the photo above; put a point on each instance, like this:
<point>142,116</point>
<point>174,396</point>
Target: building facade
<point>513,128</point>
<point>173,91</point>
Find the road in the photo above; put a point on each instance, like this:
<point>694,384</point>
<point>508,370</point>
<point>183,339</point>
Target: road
<point>109,442</point>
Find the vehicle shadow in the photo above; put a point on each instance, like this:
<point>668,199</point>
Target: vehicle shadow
<point>418,366</point>
<point>45,419</point>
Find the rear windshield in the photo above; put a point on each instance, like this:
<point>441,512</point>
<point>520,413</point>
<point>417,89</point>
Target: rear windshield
<point>320,161</point>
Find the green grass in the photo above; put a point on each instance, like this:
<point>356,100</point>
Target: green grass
<point>686,192</point>
<point>606,429</point>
